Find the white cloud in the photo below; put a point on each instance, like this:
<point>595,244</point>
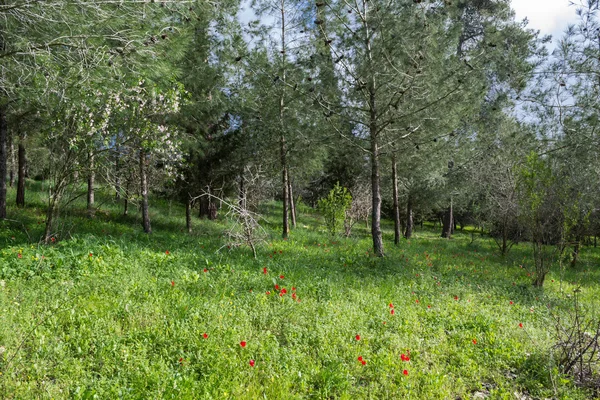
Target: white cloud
<point>551,17</point>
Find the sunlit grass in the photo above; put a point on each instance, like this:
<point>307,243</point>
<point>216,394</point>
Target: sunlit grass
<point>111,312</point>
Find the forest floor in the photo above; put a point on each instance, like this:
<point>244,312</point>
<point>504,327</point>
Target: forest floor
<point>108,312</point>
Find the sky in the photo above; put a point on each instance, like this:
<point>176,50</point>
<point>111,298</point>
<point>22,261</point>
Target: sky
<point>551,17</point>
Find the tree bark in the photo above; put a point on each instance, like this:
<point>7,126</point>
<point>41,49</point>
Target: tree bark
<point>242,192</point>
<point>409,218</point>
<point>90,186</point>
<point>11,157</point>
<point>144,192</point>
<point>283,147</point>
<point>117,172</point>
<point>376,199</point>
<point>292,205</point>
<point>21,173</point>
<point>396,205</point>
<point>188,215</point>
<point>448,223</point>
<point>3,160</point>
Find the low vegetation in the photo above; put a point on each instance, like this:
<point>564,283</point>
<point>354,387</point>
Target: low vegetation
<point>106,311</point>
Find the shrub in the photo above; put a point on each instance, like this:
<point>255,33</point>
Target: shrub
<point>334,206</point>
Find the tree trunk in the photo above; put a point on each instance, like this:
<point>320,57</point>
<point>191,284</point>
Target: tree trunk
<point>396,205</point>
<point>448,223</point>
<point>11,157</point>
<point>292,205</point>
<point>283,147</point>
<point>21,173</point>
<point>117,172</point>
<point>242,192</point>
<point>188,215</point>
<point>409,218</point>
<point>3,160</point>
<point>575,254</point>
<point>144,191</point>
<point>90,186</point>
<point>376,199</point>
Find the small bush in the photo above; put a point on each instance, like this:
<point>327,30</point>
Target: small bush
<point>333,207</point>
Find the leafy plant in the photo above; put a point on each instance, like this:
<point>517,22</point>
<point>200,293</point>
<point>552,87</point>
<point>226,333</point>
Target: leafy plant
<point>334,206</point>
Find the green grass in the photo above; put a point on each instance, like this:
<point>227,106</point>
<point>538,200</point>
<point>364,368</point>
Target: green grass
<point>106,313</point>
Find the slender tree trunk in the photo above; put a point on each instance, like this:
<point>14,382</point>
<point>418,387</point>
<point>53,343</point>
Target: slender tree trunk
<point>11,157</point>
<point>117,172</point>
<point>292,205</point>
<point>242,192</point>
<point>90,186</point>
<point>376,199</point>
<point>144,191</point>
<point>575,254</point>
<point>409,218</point>
<point>396,205</point>
<point>188,215</point>
<point>21,173</point>
<point>448,222</point>
<point>3,160</point>
<point>373,136</point>
<point>283,147</point>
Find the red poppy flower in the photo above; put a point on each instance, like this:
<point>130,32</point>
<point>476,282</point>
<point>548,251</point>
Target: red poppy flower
<point>205,335</point>
<point>392,311</point>
<point>167,252</point>
<point>417,301</point>
<point>243,343</point>
<point>520,324</point>
<point>428,305</point>
<point>357,337</point>
<point>404,357</point>
<point>276,287</point>
<point>364,362</point>
<point>268,292</point>
<point>251,363</point>
<point>360,358</point>
<point>283,291</point>
<point>172,283</point>
<point>205,269</point>
<point>90,255</point>
<point>181,360</point>
<point>19,255</point>
<point>281,277</point>
<point>405,372</point>
<point>391,305</point>
<point>294,296</point>
<point>265,270</point>
<point>293,288</point>
<point>455,297</point>
<point>510,302</point>
<point>474,341</point>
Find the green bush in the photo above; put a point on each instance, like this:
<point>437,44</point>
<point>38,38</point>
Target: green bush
<point>334,206</point>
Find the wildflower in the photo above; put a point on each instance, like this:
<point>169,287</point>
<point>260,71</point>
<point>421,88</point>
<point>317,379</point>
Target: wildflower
<point>251,363</point>
<point>392,311</point>
<point>205,269</point>
<point>511,302</point>
<point>357,337</point>
<point>391,305</point>
<point>265,270</point>
<point>205,335</point>
<point>281,277</point>
<point>474,341</point>
<point>243,343</point>
<point>364,362</point>
<point>172,283</point>
<point>404,357</point>
<point>167,252</point>
<point>268,292</point>
<point>19,255</point>
<point>456,298</point>
<point>405,372</point>
<point>360,358</point>
<point>520,324</point>
<point>276,287</point>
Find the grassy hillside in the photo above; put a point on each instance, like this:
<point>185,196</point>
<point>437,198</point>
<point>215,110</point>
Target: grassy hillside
<point>108,312</point>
